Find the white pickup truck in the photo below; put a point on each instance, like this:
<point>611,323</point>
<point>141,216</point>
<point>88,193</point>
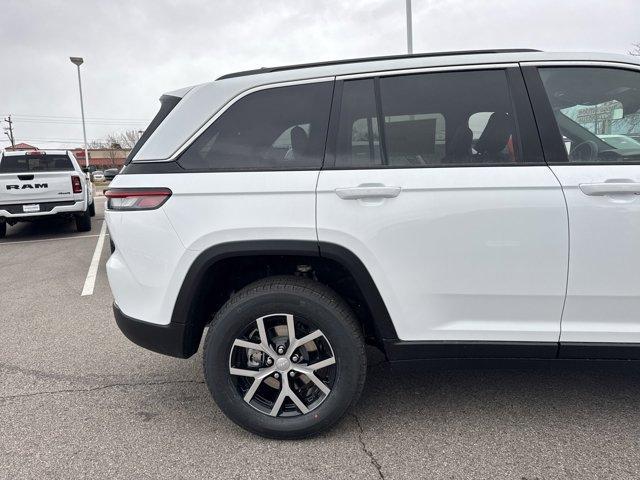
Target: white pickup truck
<point>39,184</point>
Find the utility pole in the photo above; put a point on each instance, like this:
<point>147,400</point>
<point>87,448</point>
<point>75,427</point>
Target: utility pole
<point>9,131</point>
<point>409,29</point>
<point>77,61</point>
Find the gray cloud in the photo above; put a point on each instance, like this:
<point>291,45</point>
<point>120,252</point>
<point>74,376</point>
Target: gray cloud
<point>136,50</point>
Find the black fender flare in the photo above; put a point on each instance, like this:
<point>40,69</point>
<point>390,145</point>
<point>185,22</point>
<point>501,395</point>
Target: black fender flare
<point>384,328</point>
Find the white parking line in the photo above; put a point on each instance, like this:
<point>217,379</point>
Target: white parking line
<point>90,281</point>
<point>50,239</point>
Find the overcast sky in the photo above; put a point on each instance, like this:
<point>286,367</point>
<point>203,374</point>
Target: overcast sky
<point>135,50</point>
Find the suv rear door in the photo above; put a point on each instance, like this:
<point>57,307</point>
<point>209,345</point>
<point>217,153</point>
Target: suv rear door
<point>576,105</point>
<point>35,178</point>
<point>436,181</point>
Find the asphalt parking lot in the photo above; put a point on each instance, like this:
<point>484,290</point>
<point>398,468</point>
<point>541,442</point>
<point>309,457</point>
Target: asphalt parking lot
<point>77,399</point>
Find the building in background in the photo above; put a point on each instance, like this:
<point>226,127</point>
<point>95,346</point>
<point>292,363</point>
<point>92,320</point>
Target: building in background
<point>607,118</point>
<point>103,158</point>
<point>99,158</point>
<point>20,147</point>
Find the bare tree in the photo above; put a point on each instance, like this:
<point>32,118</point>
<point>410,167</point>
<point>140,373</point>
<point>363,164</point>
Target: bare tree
<point>635,50</point>
<point>118,140</point>
<point>112,151</point>
<point>97,144</point>
<point>125,140</point>
<point>115,142</point>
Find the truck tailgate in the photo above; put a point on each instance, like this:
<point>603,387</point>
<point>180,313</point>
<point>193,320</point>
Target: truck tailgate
<point>36,187</point>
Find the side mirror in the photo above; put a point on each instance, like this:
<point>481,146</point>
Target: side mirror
<point>85,169</point>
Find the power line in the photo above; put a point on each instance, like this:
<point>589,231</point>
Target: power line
<point>78,122</point>
<point>51,139</point>
<point>79,143</point>
<point>58,140</point>
<point>63,117</point>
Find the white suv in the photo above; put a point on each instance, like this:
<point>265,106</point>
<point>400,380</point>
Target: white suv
<point>445,205</point>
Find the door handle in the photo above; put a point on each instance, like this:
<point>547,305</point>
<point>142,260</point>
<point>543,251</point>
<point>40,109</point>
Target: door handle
<point>609,188</point>
<point>367,191</point>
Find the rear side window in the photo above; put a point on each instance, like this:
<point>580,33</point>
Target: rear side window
<point>281,128</point>
<point>167,103</point>
<point>597,111</point>
<point>426,120</point>
<point>33,163</point>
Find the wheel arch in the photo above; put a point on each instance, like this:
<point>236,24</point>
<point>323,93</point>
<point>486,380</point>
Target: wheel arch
<point>200,281</point>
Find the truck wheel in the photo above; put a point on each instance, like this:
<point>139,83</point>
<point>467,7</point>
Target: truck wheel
<point>83,222</point>
<point>92,209</point>
<point>3,229</point>
<point>285,358</point>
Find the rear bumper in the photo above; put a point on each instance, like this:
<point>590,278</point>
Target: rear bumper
<point>14,211</point>
<point>166,339</point>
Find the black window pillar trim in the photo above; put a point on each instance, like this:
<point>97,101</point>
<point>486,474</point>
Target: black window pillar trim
<point>331,145</point>
<point>550,136</point>
<point>382,129</point>
<point>531,151</point>
<point>326,151</point>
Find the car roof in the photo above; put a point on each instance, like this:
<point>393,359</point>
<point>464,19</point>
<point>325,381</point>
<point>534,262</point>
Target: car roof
<point>372,59</point>
<point>420,60</point>
<point>200,103</point>
<point>260,76</point>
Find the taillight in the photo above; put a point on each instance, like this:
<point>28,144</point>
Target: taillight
<point>136,198</point>
<point>76,184</point>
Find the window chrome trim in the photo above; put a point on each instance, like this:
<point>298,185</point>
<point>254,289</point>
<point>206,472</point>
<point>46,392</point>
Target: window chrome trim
<point>409,71</point>
<point>579,63</point>
<point>187,143</point>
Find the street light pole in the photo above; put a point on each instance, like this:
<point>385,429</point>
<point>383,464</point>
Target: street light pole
<point>77,61</point>
<point>409,29</point>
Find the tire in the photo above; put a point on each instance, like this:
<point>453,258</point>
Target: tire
<point>312,307</point>
<point>3,229</point>
<point>83,222</point>
<point>92,209</point>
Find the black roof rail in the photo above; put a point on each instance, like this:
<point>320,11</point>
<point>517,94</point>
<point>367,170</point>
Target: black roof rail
<point>373,59</point>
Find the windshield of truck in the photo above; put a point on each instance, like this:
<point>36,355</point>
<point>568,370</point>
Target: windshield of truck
<point>35,163</point>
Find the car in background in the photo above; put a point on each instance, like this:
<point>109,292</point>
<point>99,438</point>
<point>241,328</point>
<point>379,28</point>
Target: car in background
<point>110,173</point>
<point>623,142</point>
<point>98,176</point>
<point>41,184</point>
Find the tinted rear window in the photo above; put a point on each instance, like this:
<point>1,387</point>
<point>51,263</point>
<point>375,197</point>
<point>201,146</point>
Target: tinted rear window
<point>44,163</point>
<point>281,128</point>
<point>424,120</point>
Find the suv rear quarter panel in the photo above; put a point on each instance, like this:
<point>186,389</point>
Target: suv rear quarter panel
<point>154,249</point>
<point>149,262</point>
<point>207,209</point>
